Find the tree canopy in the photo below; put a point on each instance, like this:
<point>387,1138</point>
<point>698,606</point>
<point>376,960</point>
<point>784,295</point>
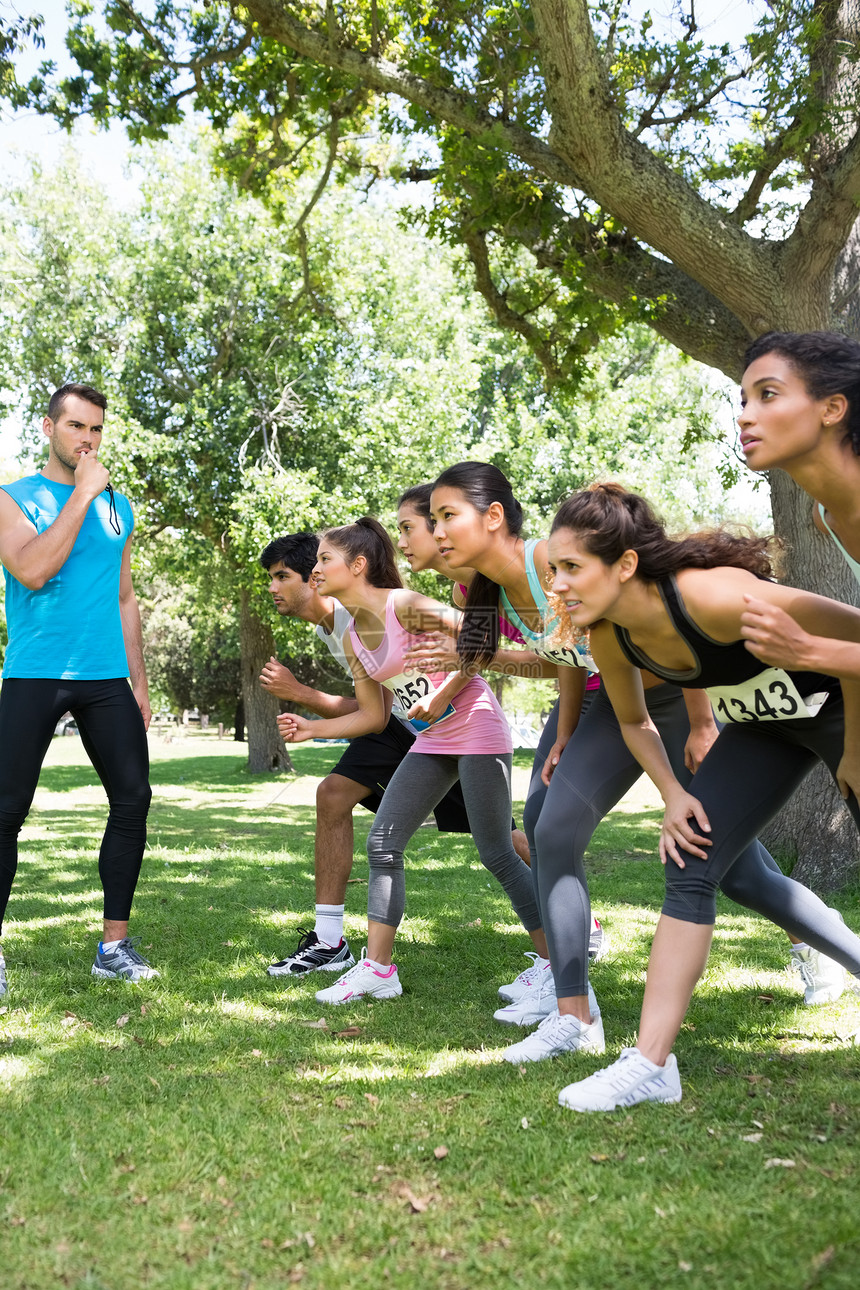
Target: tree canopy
<point>703,183</point>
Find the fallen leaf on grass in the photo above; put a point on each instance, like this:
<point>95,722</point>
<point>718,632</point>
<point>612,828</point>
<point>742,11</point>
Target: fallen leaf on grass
<point>322,1024</point>
<point>684,1267</point>
<point>821,1260</point>
<point>342,1103</point>
<point>123,1020</point>
<point>140,1200</point>
<point>103,1079</point>
<point>296,1274</point>
<point>154,1082</point>
<point>351,1032</point>
<point>63,1248</point>
<point>598,1159</point>
<point>69,1019</point>
<point>256,1052</point>
<point>17,1221</point>
<point>776,1163</point>
<point>440,1152</point>
<point>372,1099</point>
<point>185,1225</point>
<point>752,1137</point>
<point>417,1204</point>
<point>524,1124</point>
<point>143,1009</point>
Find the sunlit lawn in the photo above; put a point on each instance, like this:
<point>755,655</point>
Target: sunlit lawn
<point>206,1130</point>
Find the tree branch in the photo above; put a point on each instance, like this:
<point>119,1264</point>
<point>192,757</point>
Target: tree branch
<point>505,316</point>
<point>617,269</point>
<point>656,203</point>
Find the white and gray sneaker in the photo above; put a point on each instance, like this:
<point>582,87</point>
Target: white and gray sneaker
<point>555,1035</point>
<point>527,979</point>
<point>123,961</point>
<point>366,979</point>
<point>630,1079</point>
<point>4,983</point>
<point>538,1002</point>
<point>823,978</point>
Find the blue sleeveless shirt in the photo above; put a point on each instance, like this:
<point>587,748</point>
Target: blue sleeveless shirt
<point>70,629</point>
<point>851,562</point>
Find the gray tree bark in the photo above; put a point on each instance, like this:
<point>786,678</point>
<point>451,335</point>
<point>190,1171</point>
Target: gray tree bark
<point>266,749</point>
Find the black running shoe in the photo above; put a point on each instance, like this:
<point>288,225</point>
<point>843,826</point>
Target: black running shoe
<point>312,955</point>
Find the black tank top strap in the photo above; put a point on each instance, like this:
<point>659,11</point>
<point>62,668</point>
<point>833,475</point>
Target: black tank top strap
<point>716,662</point>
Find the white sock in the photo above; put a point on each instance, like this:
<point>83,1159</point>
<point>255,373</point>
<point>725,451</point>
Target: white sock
<point>111,945</point>
<point>795,949</point>
<point>329,924</point>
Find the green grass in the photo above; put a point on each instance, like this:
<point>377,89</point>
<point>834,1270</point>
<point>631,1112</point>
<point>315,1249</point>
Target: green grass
<point>218,1138</point>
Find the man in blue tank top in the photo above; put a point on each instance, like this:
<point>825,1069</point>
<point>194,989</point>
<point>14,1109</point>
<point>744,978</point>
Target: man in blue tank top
<point>74,643</point>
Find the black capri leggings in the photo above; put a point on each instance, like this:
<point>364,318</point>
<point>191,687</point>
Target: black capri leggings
<point>750,772</point>
<point>114,737</point>
<point>596,769</point>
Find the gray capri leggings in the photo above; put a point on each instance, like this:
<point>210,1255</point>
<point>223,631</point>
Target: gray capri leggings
<point>596,769</point>
<point>419,782</point>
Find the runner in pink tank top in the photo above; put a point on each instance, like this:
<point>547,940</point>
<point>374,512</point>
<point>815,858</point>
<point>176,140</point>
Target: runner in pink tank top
<point>463,735</point>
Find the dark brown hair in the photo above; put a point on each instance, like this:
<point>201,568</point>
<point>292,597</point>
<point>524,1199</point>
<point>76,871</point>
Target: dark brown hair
<point>86,392</point>
<point>609,520</point>
<point>367,537</point>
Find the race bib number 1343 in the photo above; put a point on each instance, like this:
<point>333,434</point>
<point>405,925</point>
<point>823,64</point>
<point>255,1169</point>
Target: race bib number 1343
<point>769,696</point>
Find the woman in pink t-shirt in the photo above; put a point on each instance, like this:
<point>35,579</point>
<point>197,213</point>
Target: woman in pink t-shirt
<point>463,734</point>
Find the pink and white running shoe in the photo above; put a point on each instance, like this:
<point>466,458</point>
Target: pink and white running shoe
<point>365,979</point>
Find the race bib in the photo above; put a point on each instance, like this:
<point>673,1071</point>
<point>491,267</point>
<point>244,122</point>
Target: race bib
<point>770,696</point>
<point>409,688</point>
<point>566,656</point>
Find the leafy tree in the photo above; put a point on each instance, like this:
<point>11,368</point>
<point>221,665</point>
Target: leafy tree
<point>707,187</point>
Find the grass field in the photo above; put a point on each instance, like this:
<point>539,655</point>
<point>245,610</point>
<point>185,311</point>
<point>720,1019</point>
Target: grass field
<point>216,1128</point>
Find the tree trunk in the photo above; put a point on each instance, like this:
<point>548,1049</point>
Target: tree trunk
<point>814,831</point>
<point>266,749</point>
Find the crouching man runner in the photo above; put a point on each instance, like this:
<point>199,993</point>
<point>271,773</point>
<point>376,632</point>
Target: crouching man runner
<point>74,640</point>
<point>360,776</point>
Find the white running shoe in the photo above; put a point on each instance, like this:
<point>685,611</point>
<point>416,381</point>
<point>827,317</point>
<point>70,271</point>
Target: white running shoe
<point>630,1079</point>
<point>537,1003</point>
<point>823,978</point>
<point>557,1034</point>
<point>362,980</point>
<point>526,980</point>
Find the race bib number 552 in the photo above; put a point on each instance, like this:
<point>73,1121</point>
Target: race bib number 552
<point>770,696</point>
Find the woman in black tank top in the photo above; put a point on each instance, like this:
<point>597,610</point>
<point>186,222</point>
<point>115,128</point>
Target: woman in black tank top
<point>675,607</point>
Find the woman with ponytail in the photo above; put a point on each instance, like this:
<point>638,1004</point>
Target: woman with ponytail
<point>462,735</point>
<point>582,767</point>
<point>801,413</point>
<point>676,608</point>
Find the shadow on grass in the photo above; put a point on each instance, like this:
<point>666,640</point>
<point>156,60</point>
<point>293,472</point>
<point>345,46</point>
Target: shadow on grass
<point>224,888</point>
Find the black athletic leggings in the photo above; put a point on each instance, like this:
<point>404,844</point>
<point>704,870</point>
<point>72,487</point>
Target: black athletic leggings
<point>751,771</point>
<point>595,770</point>
<point>114,737</point>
